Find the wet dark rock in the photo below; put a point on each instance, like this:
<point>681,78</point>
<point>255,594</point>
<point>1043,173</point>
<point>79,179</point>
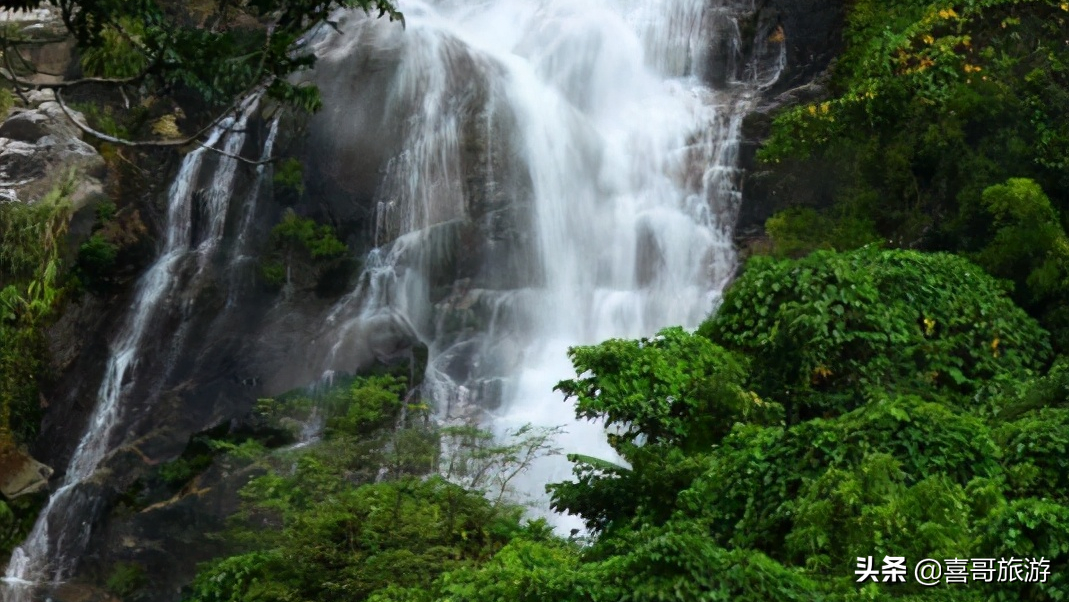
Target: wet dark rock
<point>167,539</point>
<point>80,592</point>
<point>27,126</point>
<point>812,33</point>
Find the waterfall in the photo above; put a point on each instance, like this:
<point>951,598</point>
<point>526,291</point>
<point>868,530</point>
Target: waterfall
<point>580,148</point>
<point>62,530</point>
<point>546,173</point>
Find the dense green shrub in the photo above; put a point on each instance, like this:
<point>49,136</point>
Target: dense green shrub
<point>289,181</point>
<point>801,230</point>
<point>371,403</point>
<point>1027,245</point>
<point>96,257</point>
<point>30,288</point>
<point>828,330</point>
<point>362,513</point>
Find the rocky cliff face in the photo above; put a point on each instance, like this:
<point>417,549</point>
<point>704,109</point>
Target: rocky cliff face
<point>40,149</point>
<point>221,344</point>
<point>812,30</point>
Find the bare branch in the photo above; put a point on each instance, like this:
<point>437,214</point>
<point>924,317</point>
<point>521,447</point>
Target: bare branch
<point>11,77</point>
<point>195,139</point>
<point>132,143</point>
<point>245,160</point>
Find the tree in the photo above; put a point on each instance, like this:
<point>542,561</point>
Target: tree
<point>365,514</point>
<point>828,332</point>
<point>663,400</point>
<point>929,104</point>
<point>210,55</point>
<point>1028,246</point>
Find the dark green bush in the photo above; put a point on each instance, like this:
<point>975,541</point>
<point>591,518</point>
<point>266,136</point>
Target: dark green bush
<point>827,330</point>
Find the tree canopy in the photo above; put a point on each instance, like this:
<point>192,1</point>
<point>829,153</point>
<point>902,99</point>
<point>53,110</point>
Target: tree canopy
<point>210,55</point>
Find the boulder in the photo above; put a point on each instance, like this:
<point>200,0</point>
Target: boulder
<point>45,42</point>
<point>21,475</point>
<point>39,148</point>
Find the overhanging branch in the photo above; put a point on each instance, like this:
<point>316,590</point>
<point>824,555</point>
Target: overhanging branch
<point>26,84</point>
<point>194,140</point>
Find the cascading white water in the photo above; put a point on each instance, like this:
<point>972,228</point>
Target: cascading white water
<point>242,260</point>
<point>63,528</point>
<point>624,158</point>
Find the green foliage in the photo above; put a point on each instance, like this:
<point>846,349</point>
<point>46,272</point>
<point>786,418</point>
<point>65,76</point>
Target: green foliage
<point>829,330</point>
<point>235,579</point>
<point>337,529</point>
<point>482,462</point>
<point>96,257</point>
<point>675,393</point>
<point>798,231</point>
<point>105,211</point>
<point>1037,454</point>
<point>31,232</point>
<point>360,540</point>
<point>675,388</point>
<point>1031,528</point>
<point>116,53</point>
<point>125,579</point>
<point>116,235</point>
<point>370,404</point>
<point>218,51</point>
<point>902,466</point>
<point>920,430</point>
<point>289,176</point>
<point>303,253</point>
<point>680,563</point>
<point>1027,245</point>
<point>31,240</point>
<point>7,100</point>
<point>528,569</point>
<point>177,472</point>
<point>849,486</point>
<point>30,288</point>
<point>931,103</point>
<point>17,517</point>
<point>319,241</point>
<point>112,122</point>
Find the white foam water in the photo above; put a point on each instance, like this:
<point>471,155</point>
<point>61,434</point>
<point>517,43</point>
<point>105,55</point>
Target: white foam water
<point>626,157</point>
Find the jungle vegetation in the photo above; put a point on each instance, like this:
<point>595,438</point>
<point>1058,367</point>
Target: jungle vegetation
<point>863,404</point>
<point>889,380</point>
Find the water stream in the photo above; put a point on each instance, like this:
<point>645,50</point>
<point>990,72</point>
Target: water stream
<point>618,163</point>
<point>63,528</point>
